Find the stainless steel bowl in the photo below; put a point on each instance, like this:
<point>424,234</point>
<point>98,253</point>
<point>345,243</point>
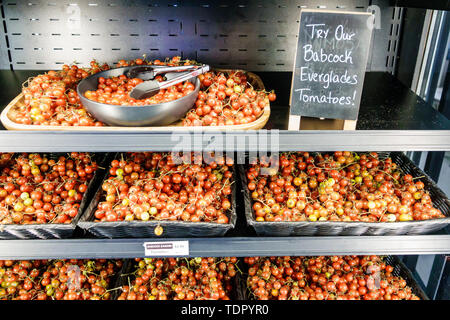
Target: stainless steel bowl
<point>134,116</point>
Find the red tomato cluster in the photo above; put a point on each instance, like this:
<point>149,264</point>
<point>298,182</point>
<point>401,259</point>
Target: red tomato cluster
<point>5,159</point>
<point>325,278</point>
<point>227,99</point>
<point>181,279</point>
<point>57,279</point>
<point>36,188</point>
<point>51,99</point>
<point>152,186</point>
<point>116,91</point>
<point>174,61</point>
<point>339,186</point>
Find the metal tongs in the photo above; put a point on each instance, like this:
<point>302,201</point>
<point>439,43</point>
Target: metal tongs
<point>174,75</point>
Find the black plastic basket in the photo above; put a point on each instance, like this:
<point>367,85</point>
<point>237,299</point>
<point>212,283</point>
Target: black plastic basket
<point>400,270</point>
<point>145,229</point>
<point>55,230</point>
<point>122,278</point>
<point>238,291</point>
<point>356,228</point>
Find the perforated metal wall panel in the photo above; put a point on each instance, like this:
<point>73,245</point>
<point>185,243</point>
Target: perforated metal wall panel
<point>253,35</point>
<point>386,38</point>
<point>4,58</point>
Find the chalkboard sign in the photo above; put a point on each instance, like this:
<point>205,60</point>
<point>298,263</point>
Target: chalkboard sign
<point>330,63</point>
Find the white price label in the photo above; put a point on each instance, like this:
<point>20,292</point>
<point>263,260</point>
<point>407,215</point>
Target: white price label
<point>166,248</point>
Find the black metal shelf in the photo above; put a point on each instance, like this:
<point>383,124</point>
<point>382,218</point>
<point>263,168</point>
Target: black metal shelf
<point>229,246</point>
<point>240,241</point>
<point>392,118</point>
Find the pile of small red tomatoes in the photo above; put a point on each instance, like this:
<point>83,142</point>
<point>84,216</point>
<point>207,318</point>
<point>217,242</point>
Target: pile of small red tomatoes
<point>325,278</point>
<point>115,90</point>
<point>181,279</point>
<point>40,188</point>
<point>57,279</point>
<point>227,98</point>
<point>339,186</point>
<point>51,99</point>
<point>155,186</point>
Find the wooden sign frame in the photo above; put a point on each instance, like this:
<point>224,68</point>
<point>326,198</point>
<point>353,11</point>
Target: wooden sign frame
<point>297,121</point>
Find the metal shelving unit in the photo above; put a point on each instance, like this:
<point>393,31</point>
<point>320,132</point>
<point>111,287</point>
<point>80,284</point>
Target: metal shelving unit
<point>392,118</point>
<point>243,141</point>
<point>229,246</point>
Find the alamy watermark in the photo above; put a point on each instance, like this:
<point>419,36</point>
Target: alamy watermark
<point>262,145</point>
<point>74,280</point>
